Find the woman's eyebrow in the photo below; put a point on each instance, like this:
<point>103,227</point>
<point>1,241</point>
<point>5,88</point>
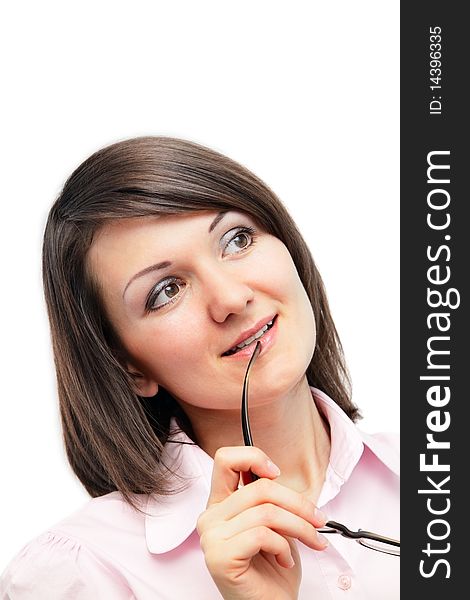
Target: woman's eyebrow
<point>217,220</point>
<point>166,263</point>
<point>156,267</point>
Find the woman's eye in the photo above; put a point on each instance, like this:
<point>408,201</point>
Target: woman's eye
<point>240,241</point>
<point>161,296</point>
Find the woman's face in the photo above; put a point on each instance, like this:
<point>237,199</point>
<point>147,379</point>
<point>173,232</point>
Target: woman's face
<point>181,291</point>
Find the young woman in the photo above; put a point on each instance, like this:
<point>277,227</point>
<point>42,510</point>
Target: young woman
<point>164,263</point>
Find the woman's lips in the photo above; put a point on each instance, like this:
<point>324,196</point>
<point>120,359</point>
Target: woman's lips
<point>267,340</point>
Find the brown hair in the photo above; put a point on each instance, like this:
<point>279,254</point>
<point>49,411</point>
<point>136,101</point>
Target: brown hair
<point>113,438</point>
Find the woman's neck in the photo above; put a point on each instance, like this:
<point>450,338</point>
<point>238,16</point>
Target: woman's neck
<point>290,430</point>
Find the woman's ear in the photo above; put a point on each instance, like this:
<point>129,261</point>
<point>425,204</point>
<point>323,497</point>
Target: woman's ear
<point>143,385</point>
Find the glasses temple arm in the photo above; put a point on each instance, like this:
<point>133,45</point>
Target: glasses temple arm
<point>248,440</point>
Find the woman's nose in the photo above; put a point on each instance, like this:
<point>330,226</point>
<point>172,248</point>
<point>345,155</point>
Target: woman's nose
<point>226,292</point>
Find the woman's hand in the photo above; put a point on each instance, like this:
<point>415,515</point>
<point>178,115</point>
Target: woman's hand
<point>248,534</point>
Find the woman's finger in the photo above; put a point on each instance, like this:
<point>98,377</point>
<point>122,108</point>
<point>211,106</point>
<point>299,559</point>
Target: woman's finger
<point>282,521</point>
<point>267,491</point>
<point>248,544</point>
<point>229,462</point>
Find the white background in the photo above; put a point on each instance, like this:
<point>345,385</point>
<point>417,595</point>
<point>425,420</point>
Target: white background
<point>305,94</point>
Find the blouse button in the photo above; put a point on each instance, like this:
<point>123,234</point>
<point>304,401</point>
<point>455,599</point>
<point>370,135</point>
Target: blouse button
<point>344,582</point>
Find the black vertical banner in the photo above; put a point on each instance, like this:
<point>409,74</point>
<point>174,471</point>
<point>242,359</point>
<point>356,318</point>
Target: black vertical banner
<point>435,257</point>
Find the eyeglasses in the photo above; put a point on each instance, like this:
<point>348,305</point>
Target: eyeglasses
<point>370,540</point>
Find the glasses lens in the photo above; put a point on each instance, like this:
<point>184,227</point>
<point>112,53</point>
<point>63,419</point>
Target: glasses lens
<point>380,546</point>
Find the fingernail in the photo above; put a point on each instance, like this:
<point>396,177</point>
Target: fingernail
<point>323,540</point>
<point>291,563</point>
<point>273,468</point>
<point>320,516</point>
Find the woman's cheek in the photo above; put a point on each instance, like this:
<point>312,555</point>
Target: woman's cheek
<point>279,275</point>
<point>175,350</point>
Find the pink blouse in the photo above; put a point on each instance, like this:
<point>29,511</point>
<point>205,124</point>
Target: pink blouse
<point>109,551</point>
